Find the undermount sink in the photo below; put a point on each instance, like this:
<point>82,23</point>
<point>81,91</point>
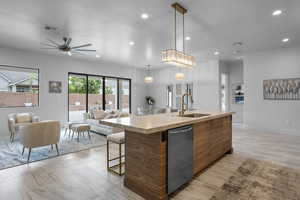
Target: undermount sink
<point>195,115</point>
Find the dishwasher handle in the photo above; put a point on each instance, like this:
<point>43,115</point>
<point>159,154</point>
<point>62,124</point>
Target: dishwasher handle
<point>181,130</point>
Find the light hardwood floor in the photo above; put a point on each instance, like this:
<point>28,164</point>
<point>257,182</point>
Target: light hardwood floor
<point>83,175</point>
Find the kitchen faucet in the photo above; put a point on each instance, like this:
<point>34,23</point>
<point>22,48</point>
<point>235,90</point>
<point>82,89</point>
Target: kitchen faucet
<point>181,112</point>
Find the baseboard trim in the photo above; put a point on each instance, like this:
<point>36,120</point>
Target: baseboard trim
<point>292,132</point>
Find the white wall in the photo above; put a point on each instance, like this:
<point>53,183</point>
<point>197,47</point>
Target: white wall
<point>279,116</point>
<point>56,68</point>
<point>205,78</point>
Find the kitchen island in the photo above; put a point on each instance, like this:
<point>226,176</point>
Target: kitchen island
<point>150,149</point>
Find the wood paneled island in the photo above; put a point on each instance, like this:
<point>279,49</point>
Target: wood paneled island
<point>146,147</point>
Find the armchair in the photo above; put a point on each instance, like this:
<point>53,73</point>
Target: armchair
<point>17,120</point>
<point>39,134</point>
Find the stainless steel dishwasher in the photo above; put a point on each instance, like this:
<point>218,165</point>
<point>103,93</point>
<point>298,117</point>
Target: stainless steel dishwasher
<point>180,157</point>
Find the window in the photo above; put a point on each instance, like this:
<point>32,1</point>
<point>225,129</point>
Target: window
<point>19,87</point>
<point>111,94</point>
<point>124,95</point>
<point>223,92</point>
<point>77,96</point>
<point>93,92</point>
<point>170,96</point>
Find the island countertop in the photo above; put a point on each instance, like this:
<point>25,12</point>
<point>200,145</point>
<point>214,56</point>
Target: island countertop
<point>149,124</point>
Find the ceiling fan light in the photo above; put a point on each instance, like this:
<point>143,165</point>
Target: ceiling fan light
<point>69,53</point>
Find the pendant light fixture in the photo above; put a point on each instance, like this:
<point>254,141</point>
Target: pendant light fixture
<point>179,76</point>
<point>174,56</point>
<point>148,77</point>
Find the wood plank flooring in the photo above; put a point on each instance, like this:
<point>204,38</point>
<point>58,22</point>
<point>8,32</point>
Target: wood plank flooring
<point>83,175</point>
<point>279,148</point>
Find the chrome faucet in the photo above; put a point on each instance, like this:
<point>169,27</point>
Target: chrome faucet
<point>181,112</point>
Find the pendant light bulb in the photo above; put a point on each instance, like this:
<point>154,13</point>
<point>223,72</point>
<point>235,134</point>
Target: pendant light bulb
<point>179,76</point>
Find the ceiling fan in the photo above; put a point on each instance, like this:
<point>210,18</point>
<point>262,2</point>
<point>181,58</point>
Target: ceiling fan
<point>65,47</point>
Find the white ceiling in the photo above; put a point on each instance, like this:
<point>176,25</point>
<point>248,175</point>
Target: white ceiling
<point>111,24</point>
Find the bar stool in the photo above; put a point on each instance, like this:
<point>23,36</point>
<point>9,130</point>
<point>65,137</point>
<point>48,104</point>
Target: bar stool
<point>68,127</point>
<point>81,128</point>
<point>117,138</point>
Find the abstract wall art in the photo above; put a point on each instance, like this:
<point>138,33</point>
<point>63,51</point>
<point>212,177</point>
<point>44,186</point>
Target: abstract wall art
<point>282,89</point>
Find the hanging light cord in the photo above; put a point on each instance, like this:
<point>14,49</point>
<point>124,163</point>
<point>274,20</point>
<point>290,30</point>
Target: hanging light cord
<point>148,70</point>
<point>183,43</point>
<point>175,28</point>
<point>183,34</point>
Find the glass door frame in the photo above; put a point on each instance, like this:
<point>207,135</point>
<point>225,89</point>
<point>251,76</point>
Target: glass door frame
<point>103,90</point>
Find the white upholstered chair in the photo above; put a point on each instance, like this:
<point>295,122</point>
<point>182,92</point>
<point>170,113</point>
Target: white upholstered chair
<point>39,134</point>
<point>17,120</point>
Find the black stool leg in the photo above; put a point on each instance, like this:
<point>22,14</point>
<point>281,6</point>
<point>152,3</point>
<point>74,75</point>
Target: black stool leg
<point>56,146</point>
<point>29,154</point>
<point>89,135</point>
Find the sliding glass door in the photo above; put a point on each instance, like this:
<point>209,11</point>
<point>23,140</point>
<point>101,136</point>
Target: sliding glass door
<point>95,93</point>
<point>124,95</point>
<point>77,97</point>
<point>92,92</point>
<point>111,94</point>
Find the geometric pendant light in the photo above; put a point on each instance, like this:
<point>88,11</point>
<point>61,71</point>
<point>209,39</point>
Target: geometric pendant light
<point>148,77</point>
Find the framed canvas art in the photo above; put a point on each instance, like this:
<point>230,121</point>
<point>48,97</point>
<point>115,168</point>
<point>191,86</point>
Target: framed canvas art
<point>55,87</point>
<point>281,89</point>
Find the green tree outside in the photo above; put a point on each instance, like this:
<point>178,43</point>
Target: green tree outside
<point>78,85</point>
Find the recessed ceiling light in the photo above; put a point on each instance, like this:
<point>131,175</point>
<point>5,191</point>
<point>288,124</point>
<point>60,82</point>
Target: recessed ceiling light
<point>238,44</point>
<point>97,56</point>
<point>144,16</point>
<point>187,38</point>
<point>131,43</point>
<point>277,12</point>
<point>285,39</point>
<point>216,53</point>
<point>236,52</point>
<point>69,53</point>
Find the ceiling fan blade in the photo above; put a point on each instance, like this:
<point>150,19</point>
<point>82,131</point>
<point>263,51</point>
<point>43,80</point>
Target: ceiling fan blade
<point>85,45</point>
<point>48,48</point>
<point>78,53</point>
<point>49,45</point>
<point>68,41</point>
<point>91,50</point>
<point>55,43</point>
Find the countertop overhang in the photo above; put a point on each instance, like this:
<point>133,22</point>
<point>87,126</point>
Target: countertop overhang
<point>149,124</point>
